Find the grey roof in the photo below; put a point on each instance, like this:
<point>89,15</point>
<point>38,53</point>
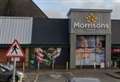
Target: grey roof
<point>20,8</point>
<point>19,28</point>
<point>115,31</point>
<point>89,10</point>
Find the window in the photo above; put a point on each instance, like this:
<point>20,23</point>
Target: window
<point>46,56</point>
<point>90,50</point>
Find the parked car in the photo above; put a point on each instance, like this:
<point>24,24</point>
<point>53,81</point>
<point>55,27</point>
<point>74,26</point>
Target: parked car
<point>6,74</point>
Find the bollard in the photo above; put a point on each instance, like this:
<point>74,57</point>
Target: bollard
<point>53,65</point>
<point>67,65</point>
<point>115,64</point>
<point>23,67</point>
<point>108,64</point>
<point>38,66</point>
<point>94,65</point>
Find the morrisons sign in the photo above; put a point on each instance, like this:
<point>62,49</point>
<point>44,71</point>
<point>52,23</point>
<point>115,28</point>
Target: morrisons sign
<point>78,25</point>
<point>90,23</point>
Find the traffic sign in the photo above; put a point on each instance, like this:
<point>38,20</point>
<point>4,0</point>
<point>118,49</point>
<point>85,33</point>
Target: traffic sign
<point>15,50</point>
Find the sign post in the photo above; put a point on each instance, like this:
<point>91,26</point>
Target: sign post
<point>14,71</point>
<point>15,52</point>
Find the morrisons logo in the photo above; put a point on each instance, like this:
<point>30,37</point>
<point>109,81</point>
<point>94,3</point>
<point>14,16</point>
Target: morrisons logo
<point>90,23</point>
<point>91,18</point>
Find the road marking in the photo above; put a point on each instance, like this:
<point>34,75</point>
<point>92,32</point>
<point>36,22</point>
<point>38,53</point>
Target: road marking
<point>70,73</point>
<point>36,78</point>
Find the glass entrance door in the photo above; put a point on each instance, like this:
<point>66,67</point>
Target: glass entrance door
<point>90,50</point>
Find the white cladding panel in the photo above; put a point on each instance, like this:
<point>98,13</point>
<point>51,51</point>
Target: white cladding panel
<point>19,28</point>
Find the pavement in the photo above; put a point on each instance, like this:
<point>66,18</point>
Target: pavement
<point>67,75</point>
<point>113,73</point>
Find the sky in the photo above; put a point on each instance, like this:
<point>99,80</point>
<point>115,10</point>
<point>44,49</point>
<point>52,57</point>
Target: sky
<point>60,8</point>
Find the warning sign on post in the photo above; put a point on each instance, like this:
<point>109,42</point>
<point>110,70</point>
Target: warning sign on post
<point>15,50</point>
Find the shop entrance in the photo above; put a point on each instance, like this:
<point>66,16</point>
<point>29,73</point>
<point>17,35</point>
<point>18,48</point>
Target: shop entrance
<point>90,50</point>
<point>115,57</point>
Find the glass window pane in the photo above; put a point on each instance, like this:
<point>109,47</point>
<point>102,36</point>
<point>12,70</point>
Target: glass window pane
<point>91,41</point>
<point>81,42</point>
<point>87,59</point>
<point>90,49</point>
<point>100,41</point>
<point>100,56</point>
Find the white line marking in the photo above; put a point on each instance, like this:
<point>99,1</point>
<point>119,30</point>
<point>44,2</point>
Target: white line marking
<point>36,78</point>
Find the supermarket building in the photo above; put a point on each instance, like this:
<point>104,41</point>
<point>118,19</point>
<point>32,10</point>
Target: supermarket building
<point>85,38</point>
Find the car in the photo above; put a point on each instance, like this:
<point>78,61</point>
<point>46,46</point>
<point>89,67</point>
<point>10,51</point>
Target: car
<point>6,74</point>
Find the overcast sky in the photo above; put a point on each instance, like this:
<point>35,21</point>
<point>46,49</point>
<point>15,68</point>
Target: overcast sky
<point>60,8</point>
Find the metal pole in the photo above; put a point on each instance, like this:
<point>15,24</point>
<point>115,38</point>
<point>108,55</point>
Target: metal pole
<point>94,65</point>
<point>14,71</point>
<point>80,61</point>
<point>67,65</point>
<point>23,67</point>
<point>108,64</point>
<point>115,64</point>
<point>38,66</point>
<point>53,65</point>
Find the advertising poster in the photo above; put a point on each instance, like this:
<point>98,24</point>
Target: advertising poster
<point>90,50</point>
<point>47,55</point>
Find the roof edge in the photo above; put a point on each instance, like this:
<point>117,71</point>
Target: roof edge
<point>89,10</point>
<point>39,8</point>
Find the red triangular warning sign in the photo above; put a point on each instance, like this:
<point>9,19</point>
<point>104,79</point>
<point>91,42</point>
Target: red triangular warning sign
<point>15,50</point>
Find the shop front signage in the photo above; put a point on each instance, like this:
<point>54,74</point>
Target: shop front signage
<point>90,23</point>
<point>116,50</point>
